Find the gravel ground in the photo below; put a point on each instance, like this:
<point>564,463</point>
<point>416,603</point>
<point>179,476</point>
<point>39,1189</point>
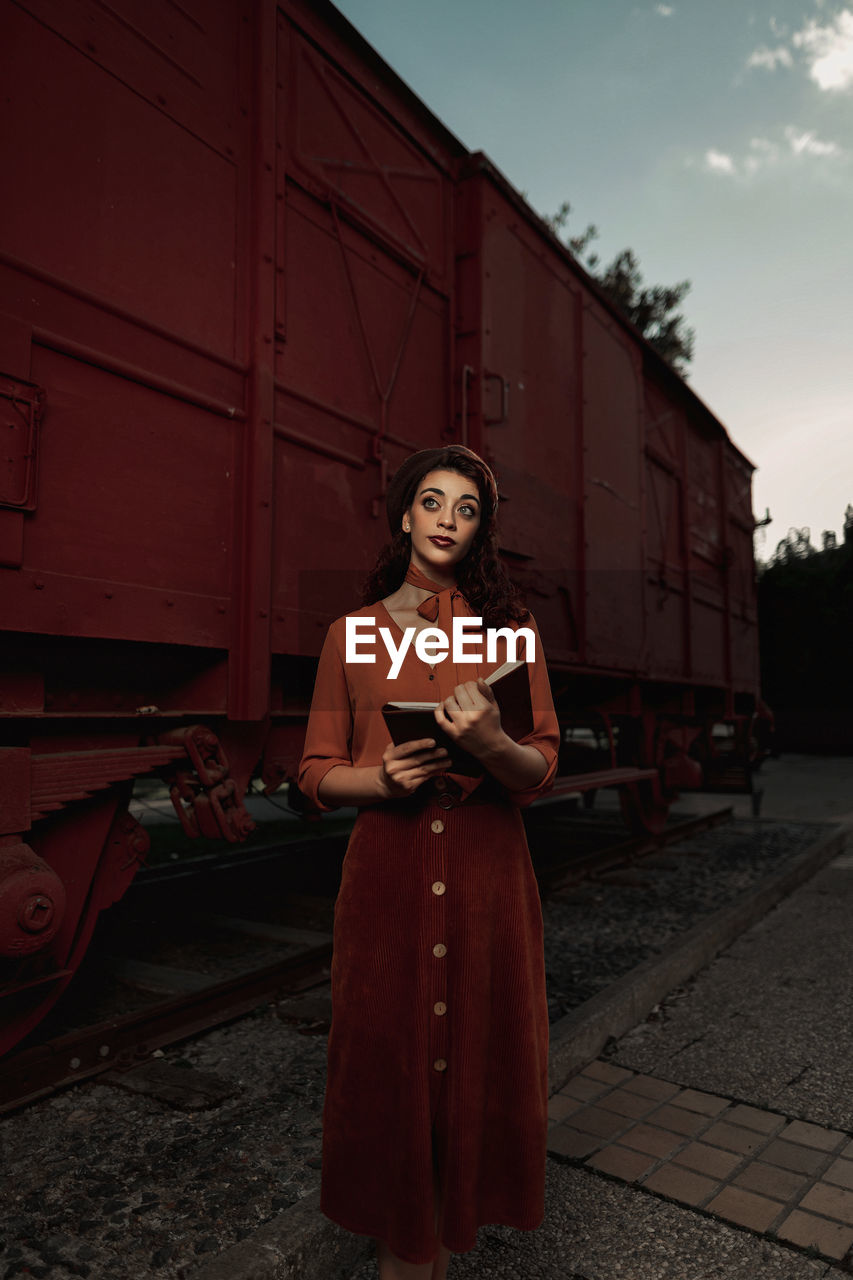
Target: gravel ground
<point>104,1183</point>
<point>596,933</point>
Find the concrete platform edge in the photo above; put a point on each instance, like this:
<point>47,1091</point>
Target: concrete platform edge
<point>301,1244</point>
<point>580,1036</point>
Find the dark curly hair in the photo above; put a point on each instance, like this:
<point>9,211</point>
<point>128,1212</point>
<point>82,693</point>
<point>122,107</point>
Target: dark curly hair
<point>481,576</point>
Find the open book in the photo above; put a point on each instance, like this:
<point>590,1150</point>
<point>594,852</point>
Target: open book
<point>510,684</point>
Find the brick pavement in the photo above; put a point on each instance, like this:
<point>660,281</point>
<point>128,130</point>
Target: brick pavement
<point>779,1177</point>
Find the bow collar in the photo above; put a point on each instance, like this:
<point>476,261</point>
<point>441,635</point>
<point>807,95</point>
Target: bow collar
<point>439,603</point>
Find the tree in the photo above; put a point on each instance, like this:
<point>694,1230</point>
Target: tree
<point>805,612</point>
<point>796,545</point>
<point>652,308</point>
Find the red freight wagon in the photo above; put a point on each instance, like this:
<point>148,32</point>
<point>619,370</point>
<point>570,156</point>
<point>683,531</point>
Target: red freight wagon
<point>244,272</point>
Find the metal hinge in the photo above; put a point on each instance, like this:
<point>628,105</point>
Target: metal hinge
<point>20,414</point>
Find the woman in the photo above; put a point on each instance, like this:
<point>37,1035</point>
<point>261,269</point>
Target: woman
<point>436,1100</point>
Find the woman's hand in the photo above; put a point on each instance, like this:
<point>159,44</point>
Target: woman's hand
<point>471,717</point>
<point>406,766</point>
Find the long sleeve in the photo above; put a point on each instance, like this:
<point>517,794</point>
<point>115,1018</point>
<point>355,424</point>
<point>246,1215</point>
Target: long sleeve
<point>328,740</point>
<point>545,735</point>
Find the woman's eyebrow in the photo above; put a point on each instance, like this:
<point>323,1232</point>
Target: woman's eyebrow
<point>433,489</point>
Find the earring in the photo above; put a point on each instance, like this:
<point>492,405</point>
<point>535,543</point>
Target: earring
<point>405,528</point>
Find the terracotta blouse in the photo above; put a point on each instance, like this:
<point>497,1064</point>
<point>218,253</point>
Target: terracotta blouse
<point>346,726</point>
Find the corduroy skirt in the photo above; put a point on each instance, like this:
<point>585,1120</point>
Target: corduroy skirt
<point>438,1051</point>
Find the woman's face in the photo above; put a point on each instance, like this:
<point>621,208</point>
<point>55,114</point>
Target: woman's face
<point>443,520</point>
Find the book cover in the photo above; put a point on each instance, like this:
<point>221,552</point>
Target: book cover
<point>510,684</point>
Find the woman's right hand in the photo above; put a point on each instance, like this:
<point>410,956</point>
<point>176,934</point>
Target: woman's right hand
<point>406,766</point>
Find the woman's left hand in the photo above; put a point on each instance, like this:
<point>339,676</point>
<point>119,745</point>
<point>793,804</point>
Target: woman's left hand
<point>471,717</point>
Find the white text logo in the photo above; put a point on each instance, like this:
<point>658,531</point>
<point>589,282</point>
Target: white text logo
<point>432,645</point>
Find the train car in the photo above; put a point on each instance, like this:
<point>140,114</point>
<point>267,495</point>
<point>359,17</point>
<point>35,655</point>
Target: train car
<point>244,272</point>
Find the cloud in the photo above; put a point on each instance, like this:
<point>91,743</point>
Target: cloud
<point>805,143</point>
<point>665,10</point>
<point>762,153</point>
<point>719,162</point>
<point>829,50</point>
<point>765,153</point>
<point>770,59</point>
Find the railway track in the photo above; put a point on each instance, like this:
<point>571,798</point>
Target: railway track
<point>192,1000</point>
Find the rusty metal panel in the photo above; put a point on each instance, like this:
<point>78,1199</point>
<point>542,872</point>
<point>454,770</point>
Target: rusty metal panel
<point>120,269</point>
<point>178,57</point>
<point>613,461</point>
<point>131,487</point>
<point>116,192</point>
<point>520,402</point>
<point>706,557</point>
<point>345,146</point>
<point>667,583</point>
<point>364,271</point>
<point>664,572</point>
<point>20,414</point>
<point>737,476</point>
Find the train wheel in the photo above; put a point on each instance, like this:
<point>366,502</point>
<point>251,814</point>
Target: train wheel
<point>93,850</point>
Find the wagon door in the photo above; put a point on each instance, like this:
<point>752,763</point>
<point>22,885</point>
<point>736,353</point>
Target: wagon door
<point>364,274</point>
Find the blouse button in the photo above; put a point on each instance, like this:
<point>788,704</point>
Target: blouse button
<point>439,950</point>
<point>439,1007</point>
<point>440,1064</point>
<point>439,888</point>
<point>445,801</point>
<point>438,826</point>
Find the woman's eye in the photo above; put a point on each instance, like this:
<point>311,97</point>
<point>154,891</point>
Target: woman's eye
<point>468,511</point>
<point>432,500</point>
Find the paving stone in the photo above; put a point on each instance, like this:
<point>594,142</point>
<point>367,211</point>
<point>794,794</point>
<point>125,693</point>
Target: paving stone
<point>622,1163</point>
<point>706,1103</point>
<point>732,1138</point>
<point>583,1089</point>
<point>650,1087</point>
<point>593,1120</point>
<point>607,1072</point>
<point>806,1230</point>
<point>656,1142</point>
<point>841,1173</point>
<point>708,1160</point>
<point>789,1156</point>
<point>686,1122</point>
<point>624,1103</point>
<point>564,1141</point>
<point>680,1184</point>
<point>847,1151</point>
<point>745,1208</point>
<point>752,1118</point>
<point>769,1180</point>
<point>560,1107</point>
<point>833,1202</point>
<point>812,1135</point>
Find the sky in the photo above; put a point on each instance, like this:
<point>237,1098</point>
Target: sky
<point>716,141</point>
